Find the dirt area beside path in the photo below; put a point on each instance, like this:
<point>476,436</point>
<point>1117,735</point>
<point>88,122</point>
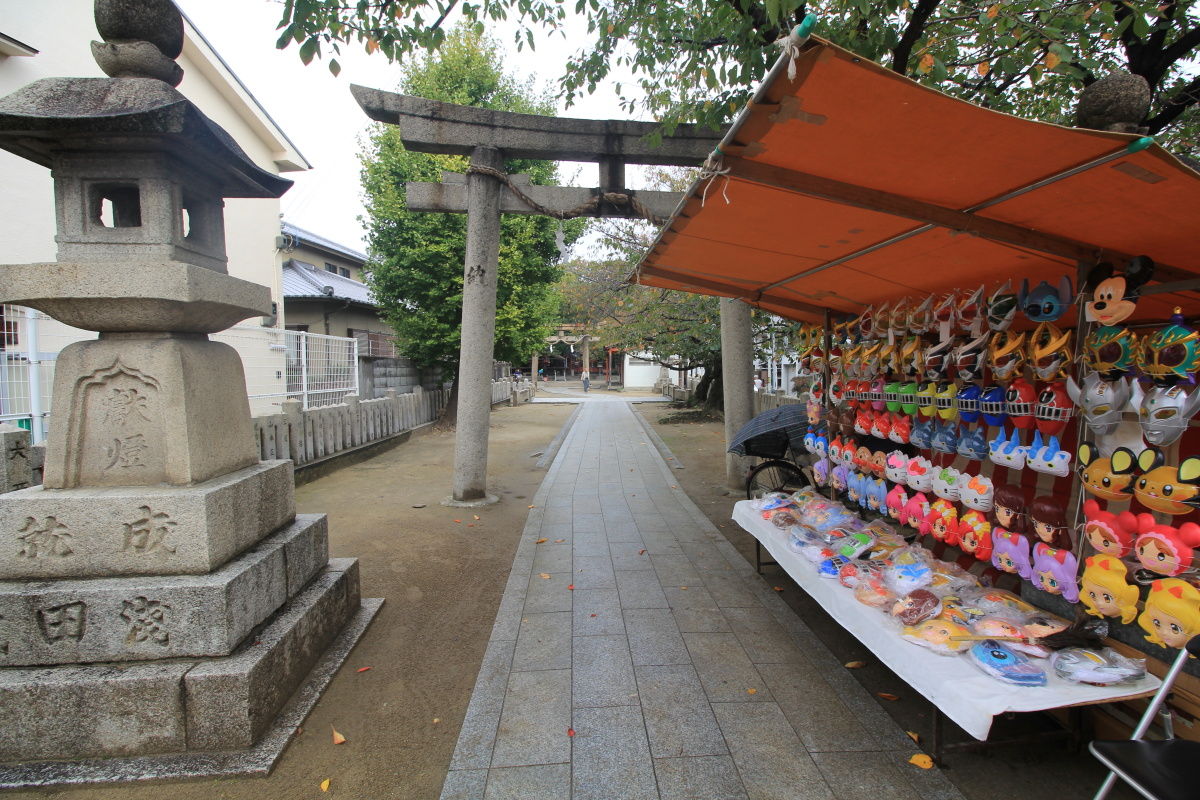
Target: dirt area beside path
<point>442,580</point>
<point>1029,771</point>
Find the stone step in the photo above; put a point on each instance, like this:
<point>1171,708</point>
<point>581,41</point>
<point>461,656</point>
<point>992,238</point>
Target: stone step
<point>142,619</point>
<point>177,706</point>
<point>145,530</point>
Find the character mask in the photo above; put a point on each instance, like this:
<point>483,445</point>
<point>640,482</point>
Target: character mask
<point>1102,402</point>
<point>969,358</point>
<point>1006,354</point>
<point>1110,351</point>
<point>1170,354</point>
<point>1049,351</point>
<point>1113,296</point>
<point>1053,409</point>
<point>1163,412</point>
<point>1001,307</point>
<point>1045,303</point>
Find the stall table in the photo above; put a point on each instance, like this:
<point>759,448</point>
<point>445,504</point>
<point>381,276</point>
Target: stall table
<point>954,686</point>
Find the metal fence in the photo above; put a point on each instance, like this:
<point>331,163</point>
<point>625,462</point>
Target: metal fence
<point>315,369</point>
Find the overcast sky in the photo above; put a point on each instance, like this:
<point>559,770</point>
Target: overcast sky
<point>318,114</point>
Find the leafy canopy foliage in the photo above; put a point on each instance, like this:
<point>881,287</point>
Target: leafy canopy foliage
<point>416,259</point>
<point>697,60</point>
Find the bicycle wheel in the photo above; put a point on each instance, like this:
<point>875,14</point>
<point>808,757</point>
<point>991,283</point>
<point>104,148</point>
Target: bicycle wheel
<point>774,476</point>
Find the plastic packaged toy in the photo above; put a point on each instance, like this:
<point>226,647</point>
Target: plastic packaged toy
<point>1010,553</point>
<point>917,606</point>
<point>871,590</point>
<point>1172,613</point>
<point>1108,478</point>
<point>1005,629</point>
<point>857,570</point>
<point>1004,664</point>
<point>1105,592</point>
<point>773,500</point>
<point>1108,533</point>
<point>1054,571</point>
<point>1165,549</point>
<point>1097,667</point>
<point>855,544</point>
<point>908,571</point>
<point>941,635</point>
<point>1161,487</point>
<point>782,517</point>
<point>995,600</point>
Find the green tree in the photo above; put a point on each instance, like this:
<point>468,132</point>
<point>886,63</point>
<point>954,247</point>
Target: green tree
<point>699,59</point>
<point>416,259</point>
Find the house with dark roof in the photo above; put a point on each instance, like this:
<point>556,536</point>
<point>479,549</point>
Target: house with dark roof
<point>323,293</point>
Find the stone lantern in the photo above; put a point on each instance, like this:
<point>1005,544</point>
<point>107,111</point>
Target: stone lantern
<point>132,579</point>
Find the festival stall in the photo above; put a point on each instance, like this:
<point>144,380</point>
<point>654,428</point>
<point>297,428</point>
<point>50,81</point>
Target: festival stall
<point>1000,335</point>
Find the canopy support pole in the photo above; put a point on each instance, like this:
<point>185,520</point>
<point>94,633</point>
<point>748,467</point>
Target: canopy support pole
<point>737,378</point>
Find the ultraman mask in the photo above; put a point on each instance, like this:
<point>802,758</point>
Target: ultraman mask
<point>1100,401</point>
<point>1163,412</point>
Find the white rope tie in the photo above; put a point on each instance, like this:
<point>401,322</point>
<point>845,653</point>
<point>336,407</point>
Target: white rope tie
<point>790,45</point>
<point>714,167</point>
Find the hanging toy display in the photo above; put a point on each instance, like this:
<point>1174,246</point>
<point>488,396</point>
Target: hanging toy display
<point>1001,307</point>
<point>941,522</point>
<point>1161,487</point>
<point>1053,410</point>
<point>991,405</point>
<point>1110,351</point>
<point>970,358</point>
<point>977,492</point>
<point>1046,303</point>
<point>1048,522</point>
<point>1019,401</point>
<point>1104,590</point>
<point>1049,352</point>
<point>1108,478</point>
<point>1108,533</point>
<point>1010,553</point>
<point>1113,296</point>
<point>1165,549</point>
<point>1172,613</point>
<point>1171,354</point>
<point>1006,354</point>
<point>920,316</point>
<point>1101,401</point>
<point>1009,505</point>
<point>1163,412</point>
<point>970,309</point>
<point>1047,456</point>
<point>975,535</point>
<point>1054,571</point>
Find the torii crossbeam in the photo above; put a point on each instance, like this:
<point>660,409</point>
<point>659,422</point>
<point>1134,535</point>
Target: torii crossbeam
<point>489,137</point>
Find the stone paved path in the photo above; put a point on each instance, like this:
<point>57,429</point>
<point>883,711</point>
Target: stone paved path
<point>680,671</point>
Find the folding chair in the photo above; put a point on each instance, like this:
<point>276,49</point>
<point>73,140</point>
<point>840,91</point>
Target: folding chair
<point>1160,770</point>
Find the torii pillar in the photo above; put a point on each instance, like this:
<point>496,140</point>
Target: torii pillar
<point>488,137</point>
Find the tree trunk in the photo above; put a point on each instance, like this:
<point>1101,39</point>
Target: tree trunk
<point>449,417</point>
<point>714,399</point>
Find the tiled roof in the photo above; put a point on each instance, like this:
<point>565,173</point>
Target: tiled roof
<point>313,240</point>
<point>301,279</point>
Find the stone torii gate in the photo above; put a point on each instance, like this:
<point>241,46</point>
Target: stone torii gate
<point>488,137</point>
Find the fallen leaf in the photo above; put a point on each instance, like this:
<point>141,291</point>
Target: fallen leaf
<point>570,731</point>
<point>363,669</point>
<point>541,540</point>
<point>914,736</point>
<point>325,785</point>
<point>777,588</point>
<point>544,576</point>
<point>673,486</point>
<point>475,515</point>
<point>418,505</point>
<point>337,737</point>
<point>684,588</point>
<point>752,691</point>
<point>886,696</point>
<point>641,552</point>
<point>593,615</point>
<point>436,720</point>
<point>559,541</point>
<point>532,506</point>
<point>470,524</point>
<point>300,730</point>
<point>921,760</point>
<point>855,664</point>
<point>458,520</point>
<point>571,588</point>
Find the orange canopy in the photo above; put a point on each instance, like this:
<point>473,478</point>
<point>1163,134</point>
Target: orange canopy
<point>852,186</point>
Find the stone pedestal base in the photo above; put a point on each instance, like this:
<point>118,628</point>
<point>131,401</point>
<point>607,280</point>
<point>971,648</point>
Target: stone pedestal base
<point>146,530</point>
<point>175,616</point>
<point>173,707</point>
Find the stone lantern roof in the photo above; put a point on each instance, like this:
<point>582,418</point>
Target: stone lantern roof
<point>122,115</point>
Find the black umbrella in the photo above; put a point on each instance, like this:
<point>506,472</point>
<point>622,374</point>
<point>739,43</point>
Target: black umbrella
<point>770,433</point>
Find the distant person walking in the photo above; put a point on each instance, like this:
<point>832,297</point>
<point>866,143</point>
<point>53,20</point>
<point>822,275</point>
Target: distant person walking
<point>758,383</point>
<point>587,382</point>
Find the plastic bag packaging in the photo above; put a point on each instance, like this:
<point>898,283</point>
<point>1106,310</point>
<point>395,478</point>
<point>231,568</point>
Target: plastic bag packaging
<point>799,537</point>
<point>831,567</point>
<point>860,569</point>
<point>1099,667</point>
<point>916,607</point>
<point>782,517</point>
<point>1006,628</point>
<point>772,500</point>
<point>822,514</point>
<point>872,590</point>
<point>1006,665</point>
<point>940,634</point>
<point>907,571</point>
<point>854,545</point>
